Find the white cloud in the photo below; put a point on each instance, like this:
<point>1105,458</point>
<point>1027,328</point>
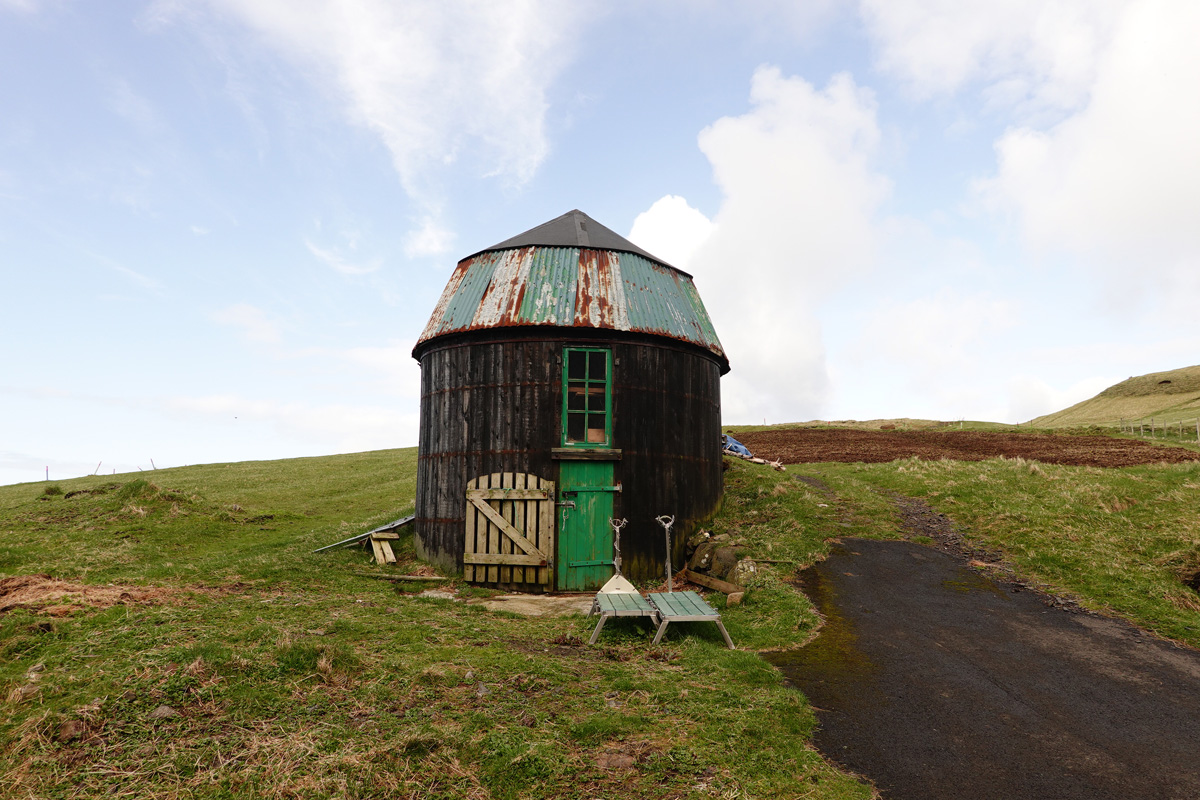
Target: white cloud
<point>1031,397</point>
<point>796,219</point>
<point>1028,54</point>
<point>671,230</point>
<point>253,322</point>
<point>431,239</point>
<point>127,103</point>
<point>136,277</point>
<point>22,6</point>
<point>340,264</point>
<point>434,79</point>
<point>935,336</point>
<point>1119,182</point>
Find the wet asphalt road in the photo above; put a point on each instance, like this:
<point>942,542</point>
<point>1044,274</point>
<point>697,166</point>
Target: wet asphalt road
<point>934,682</point>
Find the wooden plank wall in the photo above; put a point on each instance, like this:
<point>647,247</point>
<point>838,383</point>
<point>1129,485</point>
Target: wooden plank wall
<point>494,406</point>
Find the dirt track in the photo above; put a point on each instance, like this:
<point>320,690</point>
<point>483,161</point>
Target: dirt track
<point>812,445</point>
<point>938,683</point>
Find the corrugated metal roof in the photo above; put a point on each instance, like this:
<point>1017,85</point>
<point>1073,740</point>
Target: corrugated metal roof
<point>573,287</point>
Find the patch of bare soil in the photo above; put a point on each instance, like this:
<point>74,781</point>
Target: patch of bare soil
<point>814,445</point>
<point>46,595</point>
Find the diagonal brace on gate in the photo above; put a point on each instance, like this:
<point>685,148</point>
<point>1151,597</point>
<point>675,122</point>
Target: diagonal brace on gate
<point>479,498</point>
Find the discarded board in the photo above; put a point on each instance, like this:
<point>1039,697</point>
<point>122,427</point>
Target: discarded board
<point>709,582</point>
<point>402,578</point>
<point>362,537</point>
<point>382,548</point>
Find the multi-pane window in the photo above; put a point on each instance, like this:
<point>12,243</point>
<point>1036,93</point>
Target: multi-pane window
<point>587,413</point>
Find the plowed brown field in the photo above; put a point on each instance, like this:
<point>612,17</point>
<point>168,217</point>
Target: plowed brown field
<point>809,445</point>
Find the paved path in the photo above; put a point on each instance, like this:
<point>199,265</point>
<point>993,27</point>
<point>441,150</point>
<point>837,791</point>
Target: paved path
<point>934,682</point>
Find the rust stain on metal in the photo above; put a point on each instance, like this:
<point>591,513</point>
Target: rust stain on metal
<point>439,311</point>
<point>572,287</point>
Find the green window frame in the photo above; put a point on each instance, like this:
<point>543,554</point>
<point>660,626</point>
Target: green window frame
<point>587,397</point>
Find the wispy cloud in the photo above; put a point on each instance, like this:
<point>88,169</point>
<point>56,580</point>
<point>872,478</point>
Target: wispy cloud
<point>145,281</point>
<point>340,264</point>
<point>431,239</point>
<point>436,80</point>
<point>132,106</point>
<point>253,322</point>
<point>23,6</point>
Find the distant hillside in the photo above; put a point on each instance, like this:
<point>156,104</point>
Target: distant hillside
<point>1166,396</point>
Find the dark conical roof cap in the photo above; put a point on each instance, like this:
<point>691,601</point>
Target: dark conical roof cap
<point>573,229</point>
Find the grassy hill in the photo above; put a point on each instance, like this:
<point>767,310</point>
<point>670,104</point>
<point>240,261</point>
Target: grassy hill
<point>172,634</point>
<point>1169,397</point>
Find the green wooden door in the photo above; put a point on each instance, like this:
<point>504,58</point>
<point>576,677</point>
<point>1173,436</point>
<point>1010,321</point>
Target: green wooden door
<point>585,478</point>
<point>585,546</point>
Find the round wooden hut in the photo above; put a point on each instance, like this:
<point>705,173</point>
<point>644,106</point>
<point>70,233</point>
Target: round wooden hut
<point>567,377</point>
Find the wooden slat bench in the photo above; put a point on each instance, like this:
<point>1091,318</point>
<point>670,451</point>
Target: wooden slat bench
<point>619,605</point>
<point>684,607</point>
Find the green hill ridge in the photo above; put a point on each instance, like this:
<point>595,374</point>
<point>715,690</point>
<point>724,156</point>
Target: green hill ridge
<point>1169,397</point>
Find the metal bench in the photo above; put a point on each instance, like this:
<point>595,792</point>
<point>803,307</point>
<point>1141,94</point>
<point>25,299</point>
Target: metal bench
<point>684,607</point>
<point>623,604</point>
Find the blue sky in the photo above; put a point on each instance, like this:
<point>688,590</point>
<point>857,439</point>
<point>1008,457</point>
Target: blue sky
<point>223,223</point>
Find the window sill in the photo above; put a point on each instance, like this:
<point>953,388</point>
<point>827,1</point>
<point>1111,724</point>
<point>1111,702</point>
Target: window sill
<point>585,454</point>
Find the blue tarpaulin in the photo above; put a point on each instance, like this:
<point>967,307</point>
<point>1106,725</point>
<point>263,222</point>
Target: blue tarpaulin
<point>732,445</point>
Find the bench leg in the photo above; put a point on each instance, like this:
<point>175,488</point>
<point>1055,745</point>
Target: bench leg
<point>662,628</point>
<point>724,633</point>
<point>599,625</point>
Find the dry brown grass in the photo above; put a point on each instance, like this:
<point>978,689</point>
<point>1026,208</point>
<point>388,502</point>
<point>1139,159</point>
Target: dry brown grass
<point>47,595</point>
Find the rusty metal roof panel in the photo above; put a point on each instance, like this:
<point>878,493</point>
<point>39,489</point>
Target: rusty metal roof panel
<point>553,276</point>
<point>461,298</point>
<point>573,287</point>
<point>665,302</point>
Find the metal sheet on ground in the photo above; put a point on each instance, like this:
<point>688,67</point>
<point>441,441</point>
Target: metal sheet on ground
<point>936,682</point>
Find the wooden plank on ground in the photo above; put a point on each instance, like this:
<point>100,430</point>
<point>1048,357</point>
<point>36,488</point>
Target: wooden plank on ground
<point>378,550</point>
<point>388,556</point>
<point>709,582</point>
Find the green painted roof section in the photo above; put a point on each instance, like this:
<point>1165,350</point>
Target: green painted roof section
<point>573,287</point>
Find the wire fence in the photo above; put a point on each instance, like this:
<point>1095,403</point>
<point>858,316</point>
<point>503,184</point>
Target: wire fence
<point>1182,430</point>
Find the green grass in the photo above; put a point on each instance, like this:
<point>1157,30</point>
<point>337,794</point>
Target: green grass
<point>1119,541</point>
<point>293,675</point>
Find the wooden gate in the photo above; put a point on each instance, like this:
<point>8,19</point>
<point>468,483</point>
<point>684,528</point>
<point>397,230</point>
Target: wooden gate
<point>510,530</point>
